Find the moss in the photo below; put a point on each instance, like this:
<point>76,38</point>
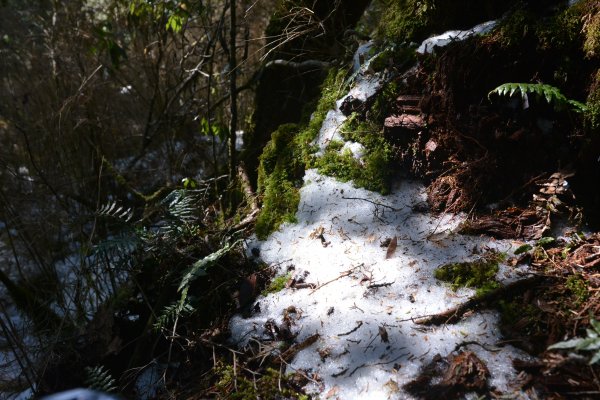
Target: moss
<point>591,46</point>
<point>593,105</point>
<point>271,384</point>
<point>279,173</point>
<point>406,19</point>
<point>286,156</point>
<point>578,288</point>
<point>479,274</point>
<point>277,284</point>
<point>513,312</point>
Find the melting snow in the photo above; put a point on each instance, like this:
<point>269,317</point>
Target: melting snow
<point>348,307</point>
<point>358,292</point>
<point>429,45</point>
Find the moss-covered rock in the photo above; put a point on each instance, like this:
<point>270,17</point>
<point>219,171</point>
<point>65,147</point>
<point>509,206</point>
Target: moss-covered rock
<point>285,158</point>
<point>415,20</point>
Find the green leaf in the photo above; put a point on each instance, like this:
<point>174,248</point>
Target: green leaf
<point>595,324</point>
<point>175,23</point>
<point>595,358</point>
<point>523,249</point>
<point>588,344</point>
<point>199,268</point>
<point>568,344</point>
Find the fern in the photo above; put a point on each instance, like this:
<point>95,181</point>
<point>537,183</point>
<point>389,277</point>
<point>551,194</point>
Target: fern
<point>181,206</point>
<point>99,378</point>
<point>117,247</point>
<point>550,93</point>
<point>182,307</point>
<point>172,312</point>
<point>199,268</point>
<point>590,343</point>
<point>112,210</point>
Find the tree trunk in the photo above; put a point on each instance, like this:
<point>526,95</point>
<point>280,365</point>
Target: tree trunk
<point>232,91</point>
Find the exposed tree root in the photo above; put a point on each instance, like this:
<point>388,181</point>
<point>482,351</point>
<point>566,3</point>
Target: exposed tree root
<point>454,314</point>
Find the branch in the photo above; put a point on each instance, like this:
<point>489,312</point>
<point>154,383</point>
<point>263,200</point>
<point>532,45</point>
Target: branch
<point>454,314</point>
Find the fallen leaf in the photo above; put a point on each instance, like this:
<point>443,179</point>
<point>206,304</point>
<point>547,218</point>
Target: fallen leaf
<point>391,248</point>
<point>332,392</point>
<point>384,335</point>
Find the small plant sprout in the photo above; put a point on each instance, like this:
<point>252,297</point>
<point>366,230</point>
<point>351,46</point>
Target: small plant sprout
<point>589,343</point>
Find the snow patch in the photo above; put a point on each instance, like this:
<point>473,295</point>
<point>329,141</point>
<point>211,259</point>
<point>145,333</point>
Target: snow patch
<point>358,291</point>
<point>428,46</point>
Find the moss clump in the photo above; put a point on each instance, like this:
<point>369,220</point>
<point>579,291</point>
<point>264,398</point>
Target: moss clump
<point>277,284</point>
<point>372,172</point>
<point>479,274</point>
<point>591,28</point>
<point>406,19</point>
<point>578,288</point>
<point>271,384</point>
<point>284,159</point>
<point>515,313</point>
<point>278,174</point>
<point>593,105</point>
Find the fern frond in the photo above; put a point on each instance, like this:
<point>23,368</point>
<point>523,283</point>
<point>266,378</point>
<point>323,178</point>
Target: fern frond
<point>120,246</point>
<point>171,312</point>
<point>552,94</point>
<point>181,205</point>
<point>199,268</point>
<point>99,378</point>
<point>113,210</point>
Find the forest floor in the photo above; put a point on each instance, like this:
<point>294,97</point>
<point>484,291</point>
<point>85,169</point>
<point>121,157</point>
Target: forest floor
<point>361,307</point>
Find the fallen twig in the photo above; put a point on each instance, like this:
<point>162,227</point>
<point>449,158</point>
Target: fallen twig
<point>359,324</point>
<point>372,202</point>
<point>342,275</point>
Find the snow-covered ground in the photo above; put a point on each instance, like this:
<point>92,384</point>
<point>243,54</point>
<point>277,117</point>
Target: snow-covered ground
<point>362,304</point>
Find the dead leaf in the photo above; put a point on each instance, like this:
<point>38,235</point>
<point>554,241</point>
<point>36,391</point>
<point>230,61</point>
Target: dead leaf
<point>317,233</point>
<point>391,248</point>
<point>332,392</point>
<point>384,335</point>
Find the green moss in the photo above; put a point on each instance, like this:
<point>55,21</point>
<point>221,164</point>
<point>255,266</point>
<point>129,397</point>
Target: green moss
<point>591,46</point>
<point>479,274</point>
<point>286,156</point>
<point>271,384</point>
<point>372,172</point>
<point>514,312</point>
<point>277,284</point>
<point>593,106</point>
<point>406,20</point>
<point>279,173</point>
<point>578,288</point>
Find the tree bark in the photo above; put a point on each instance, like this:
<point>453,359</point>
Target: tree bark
<point>232,91</point>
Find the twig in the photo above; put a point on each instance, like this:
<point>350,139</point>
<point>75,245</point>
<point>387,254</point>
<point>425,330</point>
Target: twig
<point>378,285</point>
<point>344,274</point>
<point>375,364</point>
<point>372,202</point>
<point>359,324</point>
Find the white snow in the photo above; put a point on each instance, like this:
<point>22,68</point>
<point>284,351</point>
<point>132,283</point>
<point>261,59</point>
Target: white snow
<point>428,46</point>
<point>352,261</point>
<point>358,292</point>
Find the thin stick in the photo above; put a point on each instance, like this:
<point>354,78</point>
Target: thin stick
<point>372,202</point>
